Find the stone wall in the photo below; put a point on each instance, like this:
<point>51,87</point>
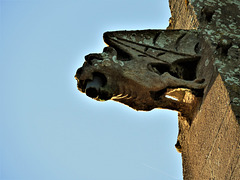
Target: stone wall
<point>183,15</point>
<point>210,144</point>
<point>210,147</point>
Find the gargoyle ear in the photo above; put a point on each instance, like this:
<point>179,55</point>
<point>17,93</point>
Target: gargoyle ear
<point>92,56</point>
<point>110,50</point>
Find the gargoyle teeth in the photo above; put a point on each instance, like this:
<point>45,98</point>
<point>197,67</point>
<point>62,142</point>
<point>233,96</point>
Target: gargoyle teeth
<point>125,93</point>
<point>121,96</point>
<point>126,96</point>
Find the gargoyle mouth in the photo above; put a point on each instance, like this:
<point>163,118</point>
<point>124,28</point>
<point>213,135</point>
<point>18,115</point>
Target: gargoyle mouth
<point>94,87</point>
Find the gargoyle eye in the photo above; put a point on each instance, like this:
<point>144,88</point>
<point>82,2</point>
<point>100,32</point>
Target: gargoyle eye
<point>91,57</point>
<point>110,50</point>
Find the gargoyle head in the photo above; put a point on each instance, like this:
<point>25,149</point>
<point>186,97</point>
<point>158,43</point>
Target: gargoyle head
<point>100,75</point>
<point>138,65</point>
<point>103,76</point>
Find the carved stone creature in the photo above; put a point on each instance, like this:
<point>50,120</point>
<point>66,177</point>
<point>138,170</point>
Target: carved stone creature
<point>143,69</point>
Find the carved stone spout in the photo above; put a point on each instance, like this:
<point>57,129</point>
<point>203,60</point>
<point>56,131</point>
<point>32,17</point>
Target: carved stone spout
<point>93,87</point>
<point>144,69</point>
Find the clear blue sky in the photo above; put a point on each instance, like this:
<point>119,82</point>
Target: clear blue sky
<point>49,130</point>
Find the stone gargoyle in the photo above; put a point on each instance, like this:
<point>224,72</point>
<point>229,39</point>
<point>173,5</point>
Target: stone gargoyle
<point>144,69</point>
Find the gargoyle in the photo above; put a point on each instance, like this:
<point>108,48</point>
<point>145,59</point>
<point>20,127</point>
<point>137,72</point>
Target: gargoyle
<point>143,68</point>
